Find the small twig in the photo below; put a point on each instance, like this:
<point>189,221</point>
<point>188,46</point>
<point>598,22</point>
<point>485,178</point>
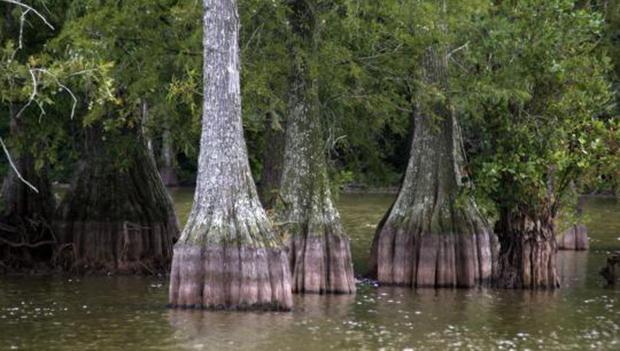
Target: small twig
<point>146,267</point>
<point>32,95</point>
<point>75,101</point>
<point>8,156</point>
<point>19,3</point>
<point>458,49</point>
<point>20,41</point>
<point>7,228</point>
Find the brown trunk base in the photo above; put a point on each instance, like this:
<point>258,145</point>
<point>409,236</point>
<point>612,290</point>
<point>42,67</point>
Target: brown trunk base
<point>430,260</point>
<point>112,247</point>
<point>528,262</point>
<point>574,238</point>
<point>229,276</point>
<point>321,264</point>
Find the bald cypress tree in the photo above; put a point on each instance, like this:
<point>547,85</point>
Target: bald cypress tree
<point>319,251</point>
<point>434,235</point>
<point>228,255</point>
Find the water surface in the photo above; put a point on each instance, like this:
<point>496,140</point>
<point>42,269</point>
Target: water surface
<point>127,313</point>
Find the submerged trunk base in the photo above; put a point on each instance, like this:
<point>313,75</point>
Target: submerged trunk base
<point>402,257</point>
<point>574,238</point>
<point>528,256</point>
<point>229,276</point>
<point>321,264</point>
<point>112,247</point>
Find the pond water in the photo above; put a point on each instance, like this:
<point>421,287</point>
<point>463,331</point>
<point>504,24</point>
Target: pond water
<point>128,313</point>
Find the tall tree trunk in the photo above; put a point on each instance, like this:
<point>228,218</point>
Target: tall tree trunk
<point>527,258</point>
<point>434,235</point>
<point>319,252</point>
<point>25,236</point>
<point>117,219</point>
<point>228,255</point>
<point>273,159</point>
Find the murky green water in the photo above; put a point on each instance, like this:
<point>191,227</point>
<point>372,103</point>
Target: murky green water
<point>127,313</point>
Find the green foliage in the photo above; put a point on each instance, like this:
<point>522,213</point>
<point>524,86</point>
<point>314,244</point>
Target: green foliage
<point>533,100</point>
<point>43,88</point>
<point>528,79</point>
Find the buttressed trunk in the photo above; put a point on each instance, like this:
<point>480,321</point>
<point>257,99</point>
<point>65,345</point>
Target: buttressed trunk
<point>527,259</point>
<point>228,255</point>
<point>25,235</point>
<point>319,252</point>
<point>433,235</point>
<point>117,219</point>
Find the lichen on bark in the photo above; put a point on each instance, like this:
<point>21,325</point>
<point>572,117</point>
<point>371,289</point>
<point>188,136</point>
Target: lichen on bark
<point>434,235</point>
<point>319,249</point>
<point>229,255</point>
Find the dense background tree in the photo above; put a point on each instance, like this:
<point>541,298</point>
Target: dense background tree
<point>134,67</point>
<point>41,89</point>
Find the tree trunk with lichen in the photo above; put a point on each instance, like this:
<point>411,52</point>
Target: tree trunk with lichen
<point>116,217</point>
<point>434,235</point>
<point>527,258</point>
<point>229,255</point>
<point>319,252</point>
<point>273,158</point>
<point>26,238</point>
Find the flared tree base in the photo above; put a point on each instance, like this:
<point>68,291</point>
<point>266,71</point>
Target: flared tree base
<point>230,276</point>
<point>402,257</point>
<point>110,247</point>
<point>321,264</point>
<point>528,262</point>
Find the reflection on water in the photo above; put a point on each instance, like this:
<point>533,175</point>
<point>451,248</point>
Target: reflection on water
<point>573,268</point>
<point>121,313</point>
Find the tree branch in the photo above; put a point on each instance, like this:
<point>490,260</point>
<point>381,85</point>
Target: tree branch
<point>19,3</point>
<point>25,244</point>
<point>8,156</point>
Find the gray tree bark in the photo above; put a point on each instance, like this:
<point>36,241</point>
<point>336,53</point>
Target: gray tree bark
<point>319,252</point>
<point>228,255</point>
<point>433,235</point>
